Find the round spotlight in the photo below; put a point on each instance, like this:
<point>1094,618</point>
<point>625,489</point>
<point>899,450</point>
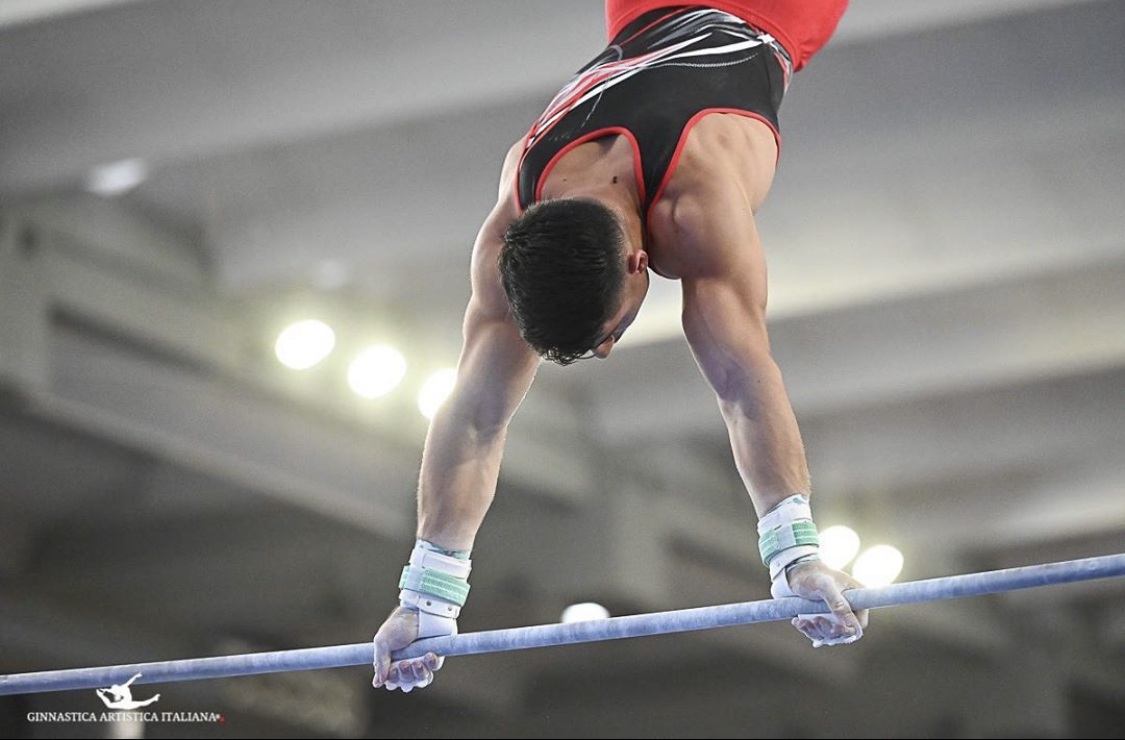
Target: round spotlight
<point>838,545</point>
<point>376,371</point>
<point>584,612</point>
<point>878,566</point>
<point>435,391</point>
<point>302,345</point>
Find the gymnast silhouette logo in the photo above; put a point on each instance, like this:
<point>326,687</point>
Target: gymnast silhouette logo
<point>120,696</point>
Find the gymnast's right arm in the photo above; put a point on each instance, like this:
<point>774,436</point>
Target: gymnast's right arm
<point>460,461</point>
<point>461,458</point>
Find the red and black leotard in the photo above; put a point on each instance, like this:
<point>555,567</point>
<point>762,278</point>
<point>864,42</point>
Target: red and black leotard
<point>664,69</point>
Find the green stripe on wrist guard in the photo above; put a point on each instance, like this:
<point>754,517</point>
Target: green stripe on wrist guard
<point>435,583</point>
<point>800,532</point>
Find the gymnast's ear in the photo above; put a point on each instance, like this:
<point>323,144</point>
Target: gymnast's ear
<point>637,261</point>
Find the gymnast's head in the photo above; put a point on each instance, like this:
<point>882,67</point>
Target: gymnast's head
<point>575,277</point>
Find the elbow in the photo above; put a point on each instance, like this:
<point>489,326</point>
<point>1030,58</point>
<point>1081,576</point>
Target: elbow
<point>483,421</point>
<point>489,429</point>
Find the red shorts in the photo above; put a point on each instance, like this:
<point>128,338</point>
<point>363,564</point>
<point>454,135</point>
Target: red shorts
<point>801,26</point>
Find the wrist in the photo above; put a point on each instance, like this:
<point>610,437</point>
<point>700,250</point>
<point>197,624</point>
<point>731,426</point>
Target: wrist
<point>787,535</point>
<point>803,560</point>
<point>435,581</point>
<point>429,544</point>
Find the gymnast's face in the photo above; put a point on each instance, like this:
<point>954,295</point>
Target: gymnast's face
<point>634,291</point>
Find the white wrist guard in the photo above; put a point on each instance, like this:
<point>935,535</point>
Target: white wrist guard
<point>787,533</point>
<point>435,582</point>
<point>430,624</point>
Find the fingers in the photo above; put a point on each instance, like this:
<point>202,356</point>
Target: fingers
<point>806,628</point>
<point>409,674</point>
<point>862,614</point>
<point>835,632</point>
<point>416,673</point>
<point>825,630</point>
<point>842,611</point>
<point>381,663</point>
<point>817,629</point>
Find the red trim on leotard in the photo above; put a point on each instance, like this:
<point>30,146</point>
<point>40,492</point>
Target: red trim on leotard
<point>519,168</point>
<point>683,140</point>
<point>638,171</point>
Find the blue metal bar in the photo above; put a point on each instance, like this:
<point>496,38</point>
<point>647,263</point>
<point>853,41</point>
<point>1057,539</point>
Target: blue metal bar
<point>682,620</point>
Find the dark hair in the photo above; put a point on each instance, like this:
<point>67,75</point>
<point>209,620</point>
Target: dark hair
<point>562,270</point>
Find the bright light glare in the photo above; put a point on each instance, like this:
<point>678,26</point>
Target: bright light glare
<point>584,612</point>
<point>377,371</point>
<point>304,344</point>
<point>838,545</point>
<point>435,391</point>
<point>878,566</point>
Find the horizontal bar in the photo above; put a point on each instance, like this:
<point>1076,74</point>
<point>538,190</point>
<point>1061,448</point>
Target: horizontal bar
<point>657,623</point>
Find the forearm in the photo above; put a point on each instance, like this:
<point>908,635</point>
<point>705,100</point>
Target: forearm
<point>460,467</point>
<point>764,435</point>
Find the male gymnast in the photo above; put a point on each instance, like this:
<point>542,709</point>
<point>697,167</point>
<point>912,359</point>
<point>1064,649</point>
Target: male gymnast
<point>655,156</point>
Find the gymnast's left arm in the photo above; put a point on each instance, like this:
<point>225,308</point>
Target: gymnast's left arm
<point>724,320</point>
